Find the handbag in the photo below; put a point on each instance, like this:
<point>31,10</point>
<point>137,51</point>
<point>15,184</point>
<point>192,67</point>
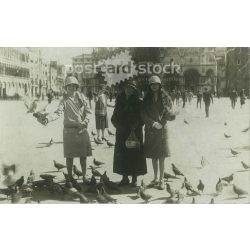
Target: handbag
<point>132,141</point>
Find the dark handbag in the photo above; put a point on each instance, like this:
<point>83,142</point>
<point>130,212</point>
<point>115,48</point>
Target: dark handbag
<point>132,141</point>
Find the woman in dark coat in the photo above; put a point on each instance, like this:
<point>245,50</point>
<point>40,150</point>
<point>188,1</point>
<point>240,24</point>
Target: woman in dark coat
<point>156,112</point>
<point>125,118</point>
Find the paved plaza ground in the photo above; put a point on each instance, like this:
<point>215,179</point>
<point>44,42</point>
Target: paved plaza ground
<point>22,141</point>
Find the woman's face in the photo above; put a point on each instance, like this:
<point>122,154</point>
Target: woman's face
<point>71,89</point>
<point>155,87</point>
<point>129,91</point>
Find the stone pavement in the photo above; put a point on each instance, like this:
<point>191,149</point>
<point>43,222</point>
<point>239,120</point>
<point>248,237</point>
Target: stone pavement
<point>22,141</point>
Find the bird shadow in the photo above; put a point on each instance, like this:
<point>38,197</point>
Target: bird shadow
<point>247,170</point>
<point>160,199</point>
<point>45,143</point>
<point>53,171</point>
<point>235,198</point>
<point>243,148</point>
<point>133,197</point>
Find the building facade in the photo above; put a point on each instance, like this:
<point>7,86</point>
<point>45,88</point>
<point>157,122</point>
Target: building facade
<point>238,69</point>
<point>14,72</point>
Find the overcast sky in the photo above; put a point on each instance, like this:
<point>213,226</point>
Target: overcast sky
<point>63,54</point>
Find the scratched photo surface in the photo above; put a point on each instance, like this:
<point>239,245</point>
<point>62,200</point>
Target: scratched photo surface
<point>124,125</point>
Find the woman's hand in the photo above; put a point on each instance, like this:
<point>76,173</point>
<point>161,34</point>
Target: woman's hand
<point>157,125</point>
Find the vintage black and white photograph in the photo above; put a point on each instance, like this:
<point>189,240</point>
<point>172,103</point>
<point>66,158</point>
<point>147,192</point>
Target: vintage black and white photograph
<point>124,125</point>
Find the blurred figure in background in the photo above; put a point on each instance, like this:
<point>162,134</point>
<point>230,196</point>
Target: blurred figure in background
<point>207,98</point>
<point>233,98</point>
<point>101,116</point>
<point>199,98</point>
<point>242,97</point>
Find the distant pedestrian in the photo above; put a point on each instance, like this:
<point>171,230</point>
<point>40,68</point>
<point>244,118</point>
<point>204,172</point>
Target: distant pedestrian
<point>110,95</point>
<point>101,116</point>
<point>50,96</point>
<point>233,98</point>
<point>207,98</point>
<point>190,96</point>
<point>199,98</point>
<point>242,98</point>
<point>184,98</point>
<point>90,97</point>
<point>173,96</point>
<point>178,96</point>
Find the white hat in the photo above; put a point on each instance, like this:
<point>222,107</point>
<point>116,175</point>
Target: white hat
<point>71,80</point>
<point>154,79</point>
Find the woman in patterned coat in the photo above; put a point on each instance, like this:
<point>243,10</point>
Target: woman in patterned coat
<point>76,141</point>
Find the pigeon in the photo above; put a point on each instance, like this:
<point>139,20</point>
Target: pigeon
<point>100,198</point>
<point>245,165</point>
<point>104,177</point>
<point>188,186</point>
<point>82,198</point>
<point>51,142</point>
<point>111,185</point>
<point>76,171</point>
<point>97,163</point>
<point>26,190</point>
<point>203,161</point>
<point>47,176</point>
<point>58,166</point>
<point>245,130</point>
<point>212,201</point>
<point>227,136</point>
<point>193,200</point>
<point>93,133</point>
<point>110,132</point>
<point>7,191</point>
<point>32,106</point>
<point>97,142</point>
<point>144,195</point>
<point>6,169</point>
<point>19,182</point>
<point>171,191</point>
<point>107,196</point>
<point>228,179</point>
<point>234,152</point>
<point>110,144</point>
<point>39,184</point>
<point>169,176</point>
<point>176,171</point>
<point>219,186</point>
<point>200,186</point>
<point>95,172</point>
<point>31,177</point>
<point>185,121</point>
<point>239,191</point>
<point>180,196</point>
<point>16,198</point>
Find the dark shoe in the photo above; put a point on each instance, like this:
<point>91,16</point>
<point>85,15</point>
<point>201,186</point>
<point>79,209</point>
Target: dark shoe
<point>124,182</point>
<point>134,181</point>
